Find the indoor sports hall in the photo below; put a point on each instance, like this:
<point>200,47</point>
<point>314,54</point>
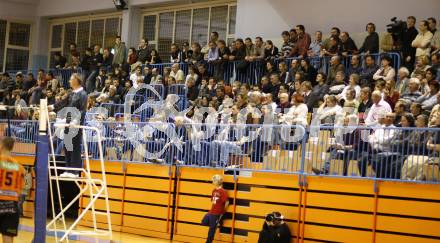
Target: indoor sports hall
<point>219,121</point>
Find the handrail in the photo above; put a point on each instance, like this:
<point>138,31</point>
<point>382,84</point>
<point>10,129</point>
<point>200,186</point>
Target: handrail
<point>251,73</point>
<point>405,156</point>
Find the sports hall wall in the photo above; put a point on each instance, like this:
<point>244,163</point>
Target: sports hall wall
<point>349,15</point>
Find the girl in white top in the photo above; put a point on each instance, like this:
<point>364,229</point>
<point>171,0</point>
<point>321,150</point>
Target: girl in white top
<point>136,75</point>
<point>327,111</point>
<point>386,72</point>
<point>422,64</point>
<point>353,84</point>
<point>297,114</point>
<point>191,74</point>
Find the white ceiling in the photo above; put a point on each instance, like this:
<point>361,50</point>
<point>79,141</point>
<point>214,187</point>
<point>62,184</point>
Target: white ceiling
<point>33,2</point>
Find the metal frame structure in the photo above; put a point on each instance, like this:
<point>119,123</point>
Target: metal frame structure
<point>96,188</point>
<point>77,20</point>
<point>152,11</point>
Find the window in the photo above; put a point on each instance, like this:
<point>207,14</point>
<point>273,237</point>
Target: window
<point>69,36</point>
<point>188,24</point>
<point>85,32</point>
<point>111,31</point>
<point>14,45</point>
<point>82,40</point>
<point>57,31</point>
<point>165,34</point>
<point>150,27</point>
<point>232,17</point>
<point>3,24</point>
<point>219,20</point>
<point>19,34</point>
<point>97,32</point>
<point>200,26</point>
<point>183,26</point>
<point>17,59</point>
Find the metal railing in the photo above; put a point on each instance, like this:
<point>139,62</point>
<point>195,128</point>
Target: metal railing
<point>391,153</point>
<point>63,75</point>
<point>252,72</point>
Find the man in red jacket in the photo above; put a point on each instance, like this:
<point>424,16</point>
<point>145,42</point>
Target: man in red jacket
<point>220,202</point>
<point>303,43</point>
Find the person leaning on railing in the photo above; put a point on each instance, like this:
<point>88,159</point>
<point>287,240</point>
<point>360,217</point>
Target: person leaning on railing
<point>223,58</point>
<point>176,54</point>
<point>197,56</point>
<point>270,51</point>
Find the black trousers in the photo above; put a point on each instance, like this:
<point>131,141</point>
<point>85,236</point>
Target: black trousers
<point>210,220</point>
<point>73,158</point>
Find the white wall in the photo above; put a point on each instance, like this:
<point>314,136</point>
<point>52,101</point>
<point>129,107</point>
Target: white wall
<point>18,10</point>
<point>268,18</point>
<point>68,7</point>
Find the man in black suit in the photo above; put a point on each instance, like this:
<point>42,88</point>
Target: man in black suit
<point>77,100</point>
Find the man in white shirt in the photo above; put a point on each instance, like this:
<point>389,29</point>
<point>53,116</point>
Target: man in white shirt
<point>423,40</point>
<point>268,100</point>
<point>379,106</point>
<point>381,137</point>
<point>381,142</point>
<point>136,75</point>
<point>177,74</point>
<point>156,78</point>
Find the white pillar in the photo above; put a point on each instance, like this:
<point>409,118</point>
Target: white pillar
<point>131,24</point>
<point>40,44</point>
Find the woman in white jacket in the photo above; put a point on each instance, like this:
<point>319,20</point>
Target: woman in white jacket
<point>386,71</point>
<point>297,114</point>
<point>328,110</point>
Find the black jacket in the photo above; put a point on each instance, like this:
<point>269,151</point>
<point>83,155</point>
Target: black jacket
<point>78,101</point>
<point>107,62</point>
<point>408,36</point>
<point>316,95</point>
<point>86,62</point>
<point>144,54</point>
<point>61,62</point>
<point>371,43</point>
<point>272,234</point>
<point>271,53</point>
<point>239,54</point>
<point>348,46</point>
<point>223,52</point>
<point>96,59</point>
<point>193,93</point>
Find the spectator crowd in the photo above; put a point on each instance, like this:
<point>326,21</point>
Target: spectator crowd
<point>290,89</point>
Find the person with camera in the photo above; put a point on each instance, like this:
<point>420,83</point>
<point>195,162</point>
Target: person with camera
<point>274,229</point>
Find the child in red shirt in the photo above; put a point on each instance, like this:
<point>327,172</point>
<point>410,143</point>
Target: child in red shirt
<point>220,203</point>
